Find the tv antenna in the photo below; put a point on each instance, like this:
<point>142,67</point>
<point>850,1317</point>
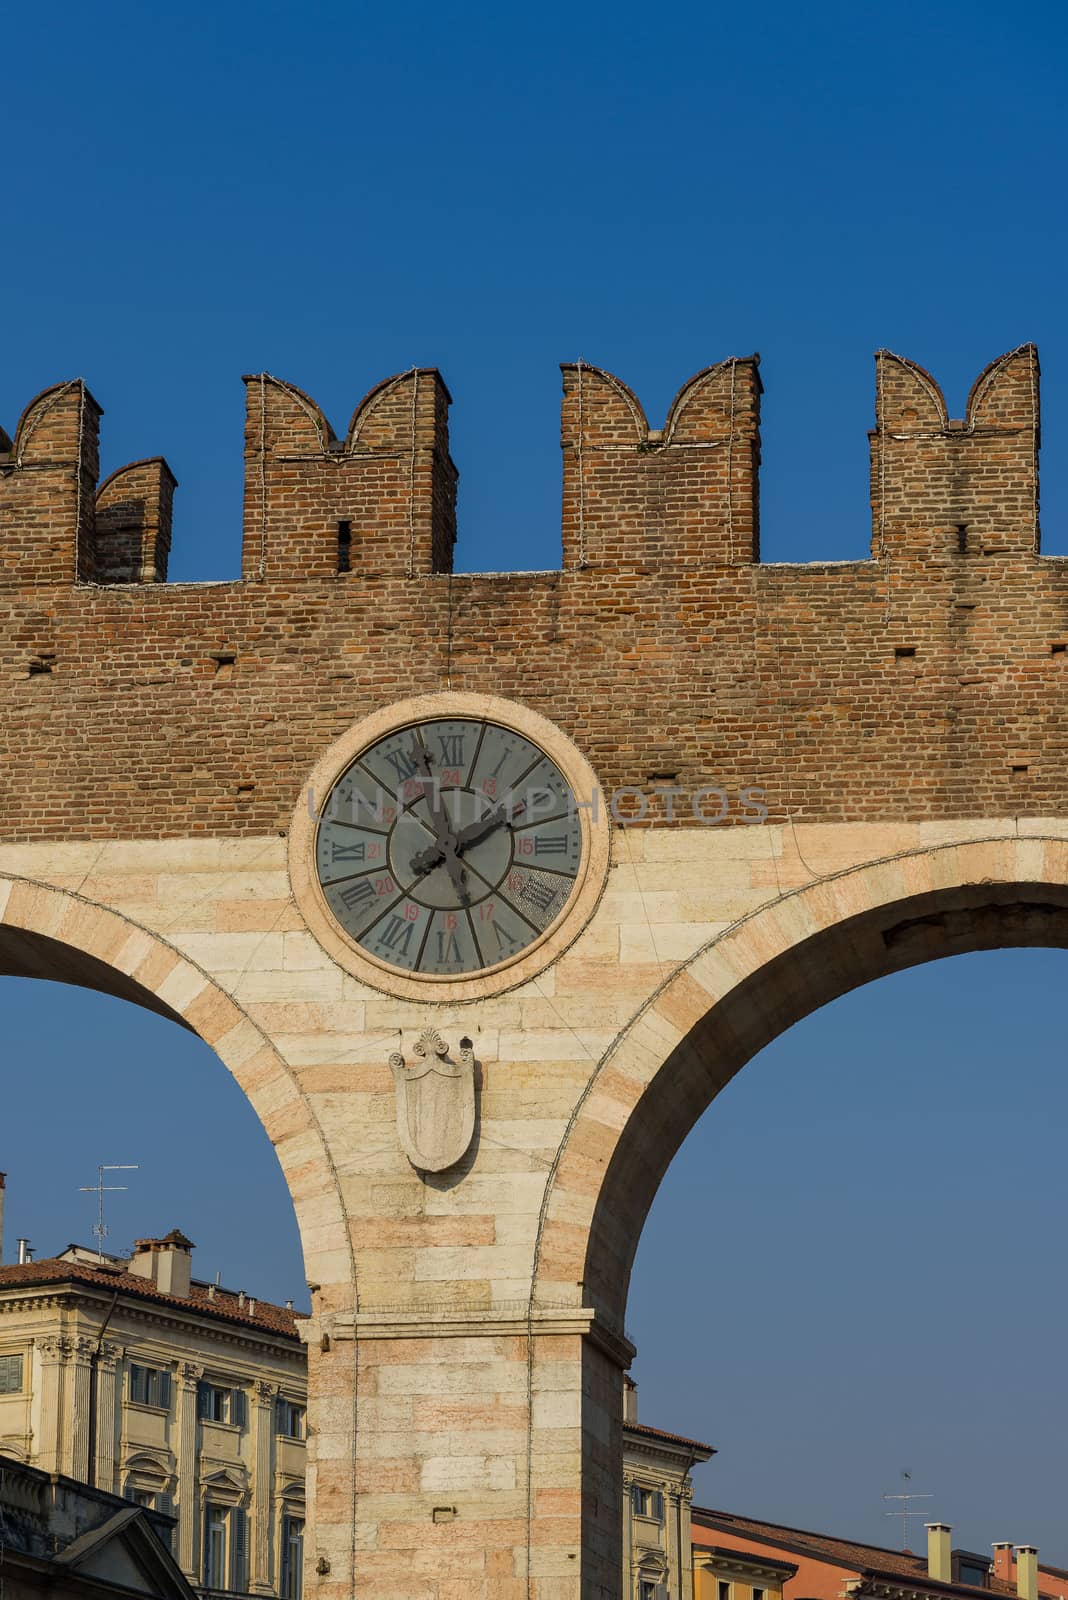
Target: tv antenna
<point>100,1189</point>
<point>906,1497</point>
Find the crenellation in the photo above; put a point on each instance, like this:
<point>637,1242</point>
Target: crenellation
<point>133,523</point>
<point>683,495</point>
<point>382,501</point>
<point>48,488</point>
<point>944,490</point>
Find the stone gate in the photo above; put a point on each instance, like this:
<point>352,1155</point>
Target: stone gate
<point>780,781</point>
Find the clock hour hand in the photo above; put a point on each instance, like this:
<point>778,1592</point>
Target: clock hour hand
<point>434,854</point>
<point>422,863</point>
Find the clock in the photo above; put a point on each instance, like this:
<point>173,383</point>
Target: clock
<point>449,846</point>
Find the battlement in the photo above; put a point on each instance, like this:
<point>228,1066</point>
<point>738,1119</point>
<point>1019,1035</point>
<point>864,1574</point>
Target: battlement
<point>382,500</point>
<point>924,681</point>
<point>941,487</point>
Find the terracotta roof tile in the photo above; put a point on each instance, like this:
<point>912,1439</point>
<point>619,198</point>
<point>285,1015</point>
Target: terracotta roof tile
<point>888,1565</point>
<point>223,1306</point>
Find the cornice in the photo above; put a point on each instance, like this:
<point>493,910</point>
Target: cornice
<point>674,1457</point>
<point>78,1295</point>
<point>495,1322</point>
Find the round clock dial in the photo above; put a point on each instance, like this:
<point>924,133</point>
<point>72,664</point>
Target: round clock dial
<point>449,847</point>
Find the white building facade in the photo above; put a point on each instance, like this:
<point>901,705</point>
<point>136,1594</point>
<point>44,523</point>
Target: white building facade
<point>181,1396</point>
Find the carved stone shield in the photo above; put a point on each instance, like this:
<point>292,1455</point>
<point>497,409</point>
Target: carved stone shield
<point>435,1103</point>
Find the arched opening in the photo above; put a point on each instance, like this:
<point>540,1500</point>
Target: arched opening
<point>850,1267</point>
<point>52,933</point>
<point>124,1368</point>
<point>745,989</point>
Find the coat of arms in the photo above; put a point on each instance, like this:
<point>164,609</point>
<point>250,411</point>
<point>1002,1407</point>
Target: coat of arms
<point>435,1102</point>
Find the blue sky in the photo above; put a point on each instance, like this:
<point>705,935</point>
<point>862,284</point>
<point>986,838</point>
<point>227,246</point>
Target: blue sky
<point>335,192</point>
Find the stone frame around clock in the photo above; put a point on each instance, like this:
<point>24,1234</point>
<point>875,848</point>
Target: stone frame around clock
<point>589,884</point>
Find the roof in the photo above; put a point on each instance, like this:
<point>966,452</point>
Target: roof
<point>223,1306</point>
<point>750,1558</point>
<point>875,1561</point>
<point>669,1438</point>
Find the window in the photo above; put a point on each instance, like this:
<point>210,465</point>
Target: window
<point>225,1553</point>
<point>724,1590</point>
<point>647,1503</point>
<point>291,1419</point>
<point>215,1403</point>
<point>758,1594</point>
<point>10,1374</point>
<point>973,1574</point>
<point>150,1386</point>
<point>292,1557</point>
<point>152,1499</point>
<point>649,1589</point>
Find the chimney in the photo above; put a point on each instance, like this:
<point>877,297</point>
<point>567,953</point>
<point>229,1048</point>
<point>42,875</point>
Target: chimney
<point>25,1252</point>
<point>1027,1572</point>
<point>166,1262</point>
<point>1004,1565</point>
<point>3,1183</point>
<point>630,1399</point>
<point>939,1554</point>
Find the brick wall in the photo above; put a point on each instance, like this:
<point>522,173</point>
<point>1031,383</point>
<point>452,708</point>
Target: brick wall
<point>925,682</point>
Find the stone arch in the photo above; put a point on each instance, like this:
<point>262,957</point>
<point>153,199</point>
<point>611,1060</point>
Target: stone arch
<point>740,991</point>
<point>53,933</point>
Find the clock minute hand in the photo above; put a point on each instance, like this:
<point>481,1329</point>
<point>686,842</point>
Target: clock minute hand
<point>446,839</point>
<point>432,794</point>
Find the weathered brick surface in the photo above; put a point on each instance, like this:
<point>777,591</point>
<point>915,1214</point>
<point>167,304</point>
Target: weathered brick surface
<point>912,685</point>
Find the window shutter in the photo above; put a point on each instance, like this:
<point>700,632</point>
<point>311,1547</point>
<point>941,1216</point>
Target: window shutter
<point>238,1549</point>
<point>239,1408</point>
<point>165,1503</point>
<point>658,1505</point>
<point>205,1548</point>
<point>10,1374</point>
<point>203,1398</point>
<point>165,1390</point>
<point>279,1415</point>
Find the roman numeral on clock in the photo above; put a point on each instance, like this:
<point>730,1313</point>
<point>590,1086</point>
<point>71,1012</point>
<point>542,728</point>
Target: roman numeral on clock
<point>552,844</point>
<point>397,934</point>
<point>354,895</point>
<point>452,749</point>
<point>349,852</point>
<point>448,947</point>
<point>537,894</point>
<point>506,942</point>
<point>404,764</point>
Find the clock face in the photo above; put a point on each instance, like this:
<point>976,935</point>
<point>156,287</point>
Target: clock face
<point>448,847</point>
